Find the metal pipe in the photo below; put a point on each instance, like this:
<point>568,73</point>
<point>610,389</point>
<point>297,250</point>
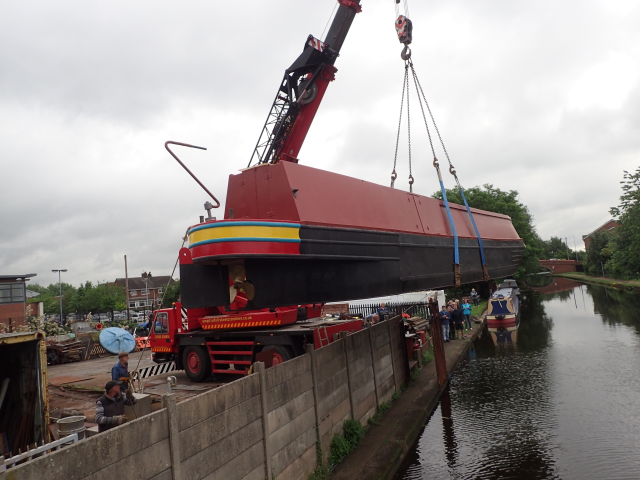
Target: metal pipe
<point>166,145</point>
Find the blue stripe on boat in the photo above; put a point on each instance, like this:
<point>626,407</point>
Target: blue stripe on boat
<point>245,224</point>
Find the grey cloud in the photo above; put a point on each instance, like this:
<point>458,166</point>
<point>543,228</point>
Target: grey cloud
<point>90,92</point>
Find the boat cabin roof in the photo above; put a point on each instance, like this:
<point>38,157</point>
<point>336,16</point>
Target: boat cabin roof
<point>503,292</point>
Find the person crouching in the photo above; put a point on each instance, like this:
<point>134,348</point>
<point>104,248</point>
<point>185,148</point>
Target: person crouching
<point>110,406</point>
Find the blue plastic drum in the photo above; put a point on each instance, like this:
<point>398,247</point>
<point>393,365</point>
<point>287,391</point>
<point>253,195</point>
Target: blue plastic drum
<point>116,340</point>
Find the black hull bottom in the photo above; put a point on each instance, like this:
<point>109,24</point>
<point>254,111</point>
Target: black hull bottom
<point>333,267</point>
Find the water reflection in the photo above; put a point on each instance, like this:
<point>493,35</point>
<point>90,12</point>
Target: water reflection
<point>561,403</point>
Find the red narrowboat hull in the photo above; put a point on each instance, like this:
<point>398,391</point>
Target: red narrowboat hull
<point>306,235</point>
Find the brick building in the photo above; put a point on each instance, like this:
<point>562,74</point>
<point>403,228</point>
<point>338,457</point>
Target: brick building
<point>138,296</point>
<point>605,227</point>
<point>13,300</point>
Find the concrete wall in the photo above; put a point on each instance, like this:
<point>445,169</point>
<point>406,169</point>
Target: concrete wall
<point>221,433</point>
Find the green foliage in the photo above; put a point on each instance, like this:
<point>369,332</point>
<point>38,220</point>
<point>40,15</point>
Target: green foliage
<point>427,356</point>
<point>343,445</point>
<point>414,376</point>
<point>171,293</point>
<point>477,311</point>
<point>380,411</point>
<point>50,297</point>
<point>556,247</point>
<point>507,203</point>
<point>396,395</point>
<point>340,448</point>
<point>104,297</point>
<point>321,472</point>
<point>599,243</point>
<point>623,252</point>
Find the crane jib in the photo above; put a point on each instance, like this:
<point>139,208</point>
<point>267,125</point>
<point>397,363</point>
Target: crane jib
<point>301,91</point>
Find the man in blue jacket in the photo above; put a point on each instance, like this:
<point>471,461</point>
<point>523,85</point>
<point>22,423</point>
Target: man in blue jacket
<point>120,371</point>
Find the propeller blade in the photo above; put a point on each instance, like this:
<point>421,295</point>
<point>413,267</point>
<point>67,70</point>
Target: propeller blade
<point>249,290</point>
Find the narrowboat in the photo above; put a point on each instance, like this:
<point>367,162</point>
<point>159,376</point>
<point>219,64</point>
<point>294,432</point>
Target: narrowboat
<point>503,313</point>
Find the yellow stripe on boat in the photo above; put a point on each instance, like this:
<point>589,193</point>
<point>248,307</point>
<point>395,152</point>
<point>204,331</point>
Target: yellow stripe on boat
<point>248,232</point>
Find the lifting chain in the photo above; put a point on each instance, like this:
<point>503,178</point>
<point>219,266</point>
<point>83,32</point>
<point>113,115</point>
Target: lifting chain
<point>409,140</point>
<point>405,86</point>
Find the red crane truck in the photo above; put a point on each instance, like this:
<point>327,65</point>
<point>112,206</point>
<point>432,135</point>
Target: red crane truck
<point>208,339</point>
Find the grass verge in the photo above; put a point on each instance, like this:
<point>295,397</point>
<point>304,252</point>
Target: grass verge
<point>605,281</point>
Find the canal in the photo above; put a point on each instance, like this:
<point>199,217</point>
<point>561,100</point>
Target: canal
<point>564,402</point>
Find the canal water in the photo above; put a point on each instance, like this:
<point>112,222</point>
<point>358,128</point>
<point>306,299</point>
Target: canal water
<point>564,402</point>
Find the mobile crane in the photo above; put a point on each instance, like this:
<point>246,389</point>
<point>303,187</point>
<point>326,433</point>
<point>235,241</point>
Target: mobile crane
<point>204,335</point>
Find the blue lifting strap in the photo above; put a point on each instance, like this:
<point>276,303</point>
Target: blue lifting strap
<point>446,205</point>
<point>473,222</point>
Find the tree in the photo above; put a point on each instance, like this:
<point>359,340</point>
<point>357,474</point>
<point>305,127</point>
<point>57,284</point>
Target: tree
<point>49,296</point>
<point>624,250</point>
<point>495,200</point>
<point>172,293</point>
<point>598,252</point>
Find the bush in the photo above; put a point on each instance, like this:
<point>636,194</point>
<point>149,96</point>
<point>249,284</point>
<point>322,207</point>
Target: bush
<point>343,445</point>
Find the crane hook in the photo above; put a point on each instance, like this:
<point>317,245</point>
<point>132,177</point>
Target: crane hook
<point>411,183</point>
<point>452,170</point>
<point>394,175</point>
<point>406,53</point>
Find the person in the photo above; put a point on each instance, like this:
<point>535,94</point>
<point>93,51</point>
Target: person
<point>110,406</point>
<point>456,320</point>
<point>382,311</point>
<point>475,297</point>
<point>444,322</point>
<point>452,325</point>
<point>120,371</point>
<point>373,318</point>
<point>466,311</point>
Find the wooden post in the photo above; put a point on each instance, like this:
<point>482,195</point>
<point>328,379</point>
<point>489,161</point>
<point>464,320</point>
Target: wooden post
<point>259,368</point>
<point>373,366</point>
<point>169,402</point>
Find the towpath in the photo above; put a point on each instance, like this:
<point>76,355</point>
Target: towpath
<point>384,447</point>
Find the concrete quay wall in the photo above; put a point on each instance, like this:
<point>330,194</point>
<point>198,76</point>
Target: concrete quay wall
<point>265,425</point>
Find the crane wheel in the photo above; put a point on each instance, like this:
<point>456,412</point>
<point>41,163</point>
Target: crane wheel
<point>280,354</point>
<point>196,363</point>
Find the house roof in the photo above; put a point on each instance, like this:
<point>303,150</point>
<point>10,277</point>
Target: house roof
<point>138,283</point>
<point>600,228</point>
<point>16,277</point>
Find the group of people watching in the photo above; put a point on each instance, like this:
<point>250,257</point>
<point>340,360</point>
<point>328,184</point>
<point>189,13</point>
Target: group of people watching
<point>455,319</point>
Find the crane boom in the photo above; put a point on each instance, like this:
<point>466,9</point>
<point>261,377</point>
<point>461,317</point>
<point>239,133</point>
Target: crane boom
<point>301,91</point>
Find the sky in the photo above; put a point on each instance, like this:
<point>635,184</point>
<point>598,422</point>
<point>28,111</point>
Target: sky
<point>540,97</point>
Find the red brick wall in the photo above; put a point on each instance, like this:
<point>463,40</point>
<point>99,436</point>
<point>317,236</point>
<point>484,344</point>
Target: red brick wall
<point>13,311</point>
<point>335,308</point>
<point>559,266</point>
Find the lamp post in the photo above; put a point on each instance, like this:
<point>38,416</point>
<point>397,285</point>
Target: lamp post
<point>146,303</point>
<point>60,287</point>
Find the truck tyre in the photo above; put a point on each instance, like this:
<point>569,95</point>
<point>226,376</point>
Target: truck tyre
<point>196,362</point>
<point>280,354</point>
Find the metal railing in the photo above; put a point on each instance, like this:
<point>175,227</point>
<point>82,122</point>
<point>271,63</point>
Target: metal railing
<point>420,309</point>
<point>38,451</point>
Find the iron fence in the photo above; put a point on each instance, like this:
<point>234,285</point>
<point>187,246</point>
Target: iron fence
<point>420,309</point>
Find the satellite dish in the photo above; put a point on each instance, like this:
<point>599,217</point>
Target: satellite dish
<point>116,340</point>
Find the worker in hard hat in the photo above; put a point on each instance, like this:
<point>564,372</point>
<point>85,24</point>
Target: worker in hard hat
<point>110,406</point>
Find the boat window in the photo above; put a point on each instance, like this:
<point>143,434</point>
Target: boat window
<point>161,322</point>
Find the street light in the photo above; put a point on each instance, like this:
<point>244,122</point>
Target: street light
<point>146,303</point>
<point>60,286</point>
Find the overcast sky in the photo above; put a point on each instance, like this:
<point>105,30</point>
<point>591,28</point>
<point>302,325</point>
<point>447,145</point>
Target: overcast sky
<point>541,97</point>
